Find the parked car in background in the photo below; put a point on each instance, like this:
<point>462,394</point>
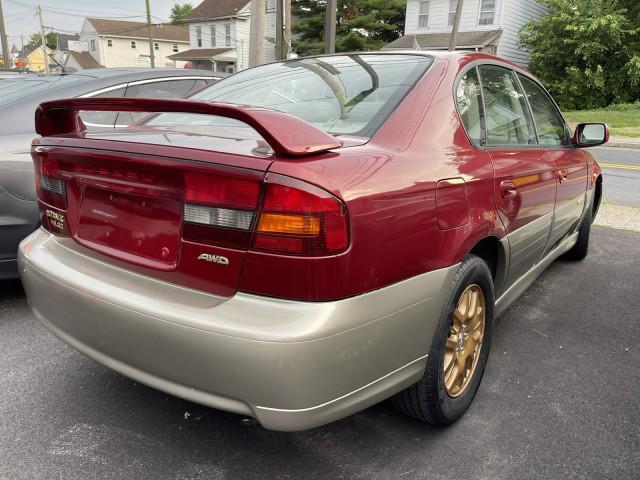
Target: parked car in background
<point>304,239</point>
<point>19,98</point>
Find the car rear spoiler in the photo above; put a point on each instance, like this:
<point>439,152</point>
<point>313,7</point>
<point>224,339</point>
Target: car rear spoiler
<point>286,134</point>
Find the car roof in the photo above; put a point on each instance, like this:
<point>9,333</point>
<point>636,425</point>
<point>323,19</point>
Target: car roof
<point>132,74</point>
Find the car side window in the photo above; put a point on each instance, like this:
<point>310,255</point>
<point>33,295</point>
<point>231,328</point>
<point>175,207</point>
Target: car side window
<point>551,126</point>
<point>469,102</point>
<point>103,119</point>
<point>508,120</point>
<point>166,89</point>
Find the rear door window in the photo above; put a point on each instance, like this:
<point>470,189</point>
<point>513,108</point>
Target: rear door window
<point>469,103</point>
<point>551,126</point>
<point>507,115</point>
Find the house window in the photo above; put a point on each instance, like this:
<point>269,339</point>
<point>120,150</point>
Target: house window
<point>227,35</point>
<point>487,12</point>
<point>93,45</point>
<point>199,36</point>
<point>453,6</point>
<point>175,47</point>
<point>212,34</point>
<point>109,42</point>
<point>423,14</point>
<point>156,46</point>
<point>133,44</point>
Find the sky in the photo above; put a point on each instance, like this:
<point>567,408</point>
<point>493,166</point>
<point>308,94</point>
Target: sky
<point>67,16</point>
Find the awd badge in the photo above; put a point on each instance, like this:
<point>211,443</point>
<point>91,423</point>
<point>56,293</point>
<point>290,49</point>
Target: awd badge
<point>219,259</point>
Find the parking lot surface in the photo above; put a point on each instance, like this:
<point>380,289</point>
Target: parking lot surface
<point>560,399</point>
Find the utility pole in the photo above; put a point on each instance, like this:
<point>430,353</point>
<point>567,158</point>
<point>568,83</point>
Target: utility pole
<point>456,25</point>
<point>149,28</point>
<point>6,55</point>
<point>256,33</point>
<point>44,41</point>
<point>330,27</point>
<point>283,28</point>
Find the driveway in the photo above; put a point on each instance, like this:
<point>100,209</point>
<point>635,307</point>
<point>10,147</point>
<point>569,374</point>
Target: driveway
<point>560,400</point>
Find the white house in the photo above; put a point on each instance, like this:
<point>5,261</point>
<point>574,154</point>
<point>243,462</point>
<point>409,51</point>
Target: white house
<point>116,43</point>
<point>219,35</point>
<point>485,25</point>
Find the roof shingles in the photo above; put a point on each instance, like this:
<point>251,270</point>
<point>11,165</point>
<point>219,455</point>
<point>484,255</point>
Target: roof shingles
<point>210,9</point>
<point>120,28</point>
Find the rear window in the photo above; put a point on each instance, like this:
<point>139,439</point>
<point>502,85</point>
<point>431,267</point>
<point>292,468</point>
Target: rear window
<point>344,94</point>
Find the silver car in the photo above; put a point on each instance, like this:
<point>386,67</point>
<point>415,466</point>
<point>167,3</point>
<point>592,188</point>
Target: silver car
<point>19,98</point>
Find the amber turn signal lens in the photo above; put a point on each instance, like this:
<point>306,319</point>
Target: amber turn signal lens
<point>288,224</point>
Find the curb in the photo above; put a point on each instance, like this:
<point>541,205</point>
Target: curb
<point>622,145</point>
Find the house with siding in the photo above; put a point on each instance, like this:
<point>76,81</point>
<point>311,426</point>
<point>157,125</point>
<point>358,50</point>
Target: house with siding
<point>490,26</point>
<point>118,43</point>
<point>219,35</point>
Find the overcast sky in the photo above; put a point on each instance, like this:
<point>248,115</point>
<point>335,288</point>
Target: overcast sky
<point>66,16</point>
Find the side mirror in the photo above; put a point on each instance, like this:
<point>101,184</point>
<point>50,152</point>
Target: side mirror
<point>590,135</point>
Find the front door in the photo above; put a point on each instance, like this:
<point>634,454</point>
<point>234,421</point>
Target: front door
<point>570,163</point>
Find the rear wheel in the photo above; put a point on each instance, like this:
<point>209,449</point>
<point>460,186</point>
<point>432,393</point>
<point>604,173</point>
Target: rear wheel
<point>459,350</point>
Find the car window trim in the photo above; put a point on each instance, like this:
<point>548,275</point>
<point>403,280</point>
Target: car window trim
<point>487,61</point>
<point>567,130</point>
<point>502,146</point>
<point>483,128</point>
<point>526,99</point>
<point>175,78</point>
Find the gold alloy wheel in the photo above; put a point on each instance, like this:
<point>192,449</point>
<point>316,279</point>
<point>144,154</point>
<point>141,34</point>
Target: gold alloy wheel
<point>464,341</point>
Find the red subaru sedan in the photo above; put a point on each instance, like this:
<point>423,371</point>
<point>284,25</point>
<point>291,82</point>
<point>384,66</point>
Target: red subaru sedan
<point>304,239</point>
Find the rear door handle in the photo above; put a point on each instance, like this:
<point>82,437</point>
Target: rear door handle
<point>562,175</point>
<point>508,189</point>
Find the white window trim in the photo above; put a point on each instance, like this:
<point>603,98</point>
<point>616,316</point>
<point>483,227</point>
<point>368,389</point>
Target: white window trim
<point>495,8</point>
<point>199,36</point>
<point>109,43</point>
<point>425,15</point>
<point>227,36</point>
<point>449,19</point>
<point>212,34</point>
<point>174,47</point>
<point>133,44</point>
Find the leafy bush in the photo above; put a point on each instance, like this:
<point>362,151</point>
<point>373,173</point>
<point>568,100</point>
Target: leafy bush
<point>587,52</point>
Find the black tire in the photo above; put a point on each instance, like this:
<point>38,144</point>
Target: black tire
<point>428,400</point>
<point>580,250</point>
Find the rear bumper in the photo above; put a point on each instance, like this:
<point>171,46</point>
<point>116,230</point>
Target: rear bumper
<point>292,365</point>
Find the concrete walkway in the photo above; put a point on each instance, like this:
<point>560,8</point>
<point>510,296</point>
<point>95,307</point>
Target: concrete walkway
<point>625,142</point>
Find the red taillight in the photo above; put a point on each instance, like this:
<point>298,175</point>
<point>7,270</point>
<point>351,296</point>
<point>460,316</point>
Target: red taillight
<point>301,219</point>
<point>50,186</point>
<point>219,190</point>
<point>219,209</point>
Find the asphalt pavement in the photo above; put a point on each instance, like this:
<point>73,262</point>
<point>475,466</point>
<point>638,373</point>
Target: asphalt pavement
<point>560,400</point>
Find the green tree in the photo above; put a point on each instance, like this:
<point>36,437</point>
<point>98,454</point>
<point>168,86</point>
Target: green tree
<point>587,52</point>
<point>35,41</point>
<point>361,24</point>
<point>179,11</point>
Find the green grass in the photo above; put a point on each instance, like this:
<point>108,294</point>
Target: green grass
<point>622,119</point>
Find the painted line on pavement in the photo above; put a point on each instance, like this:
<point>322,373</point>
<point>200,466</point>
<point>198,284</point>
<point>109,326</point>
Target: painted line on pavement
<point>620,166</point>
